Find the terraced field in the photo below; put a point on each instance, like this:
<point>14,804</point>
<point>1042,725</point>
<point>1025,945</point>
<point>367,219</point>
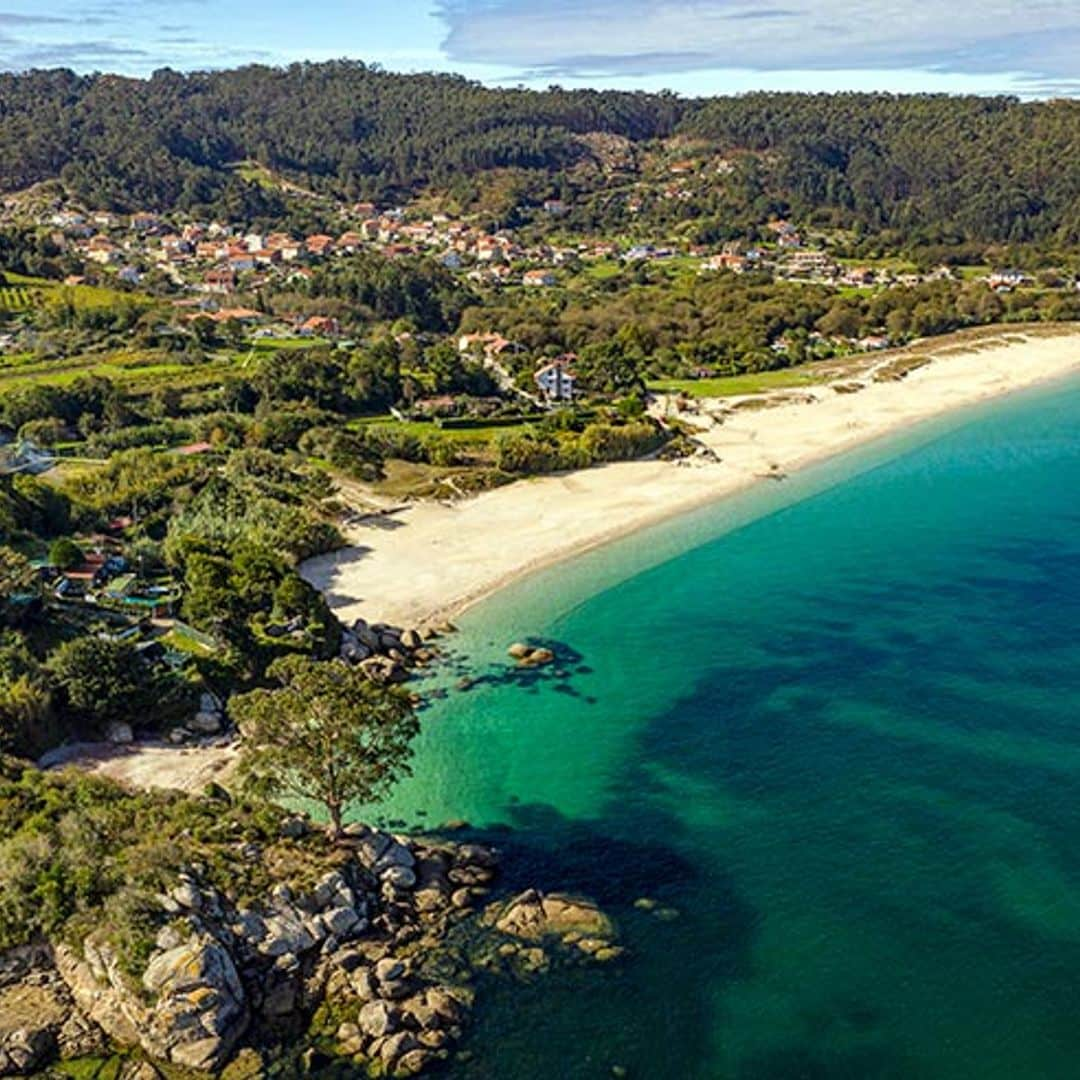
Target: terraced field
<point>134,371</point>
<point>137,371</point>
<point>15,298</point>
<point>20,293</point>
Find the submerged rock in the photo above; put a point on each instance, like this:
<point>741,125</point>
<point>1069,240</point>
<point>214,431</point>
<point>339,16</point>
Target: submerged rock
<point>530,655</point>
<point>538,658</point>
<point>533,916</point>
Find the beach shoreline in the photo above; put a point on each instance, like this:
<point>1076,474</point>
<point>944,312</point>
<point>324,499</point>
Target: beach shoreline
<point>434,561</point>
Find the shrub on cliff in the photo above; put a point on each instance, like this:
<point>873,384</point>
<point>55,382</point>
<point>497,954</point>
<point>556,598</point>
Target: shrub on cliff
<point>81,853</point>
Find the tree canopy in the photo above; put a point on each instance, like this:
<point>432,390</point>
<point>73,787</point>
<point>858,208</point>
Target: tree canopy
<point>326,733</point>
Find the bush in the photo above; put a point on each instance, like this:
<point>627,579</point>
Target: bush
<point>46,432</point>
<point>65,554</point>
<point>100,681</point>
<point>80,854</point>
<point>164,433</point>
<point>392,442</point>
<point>351,452</point>
<point>27,719</point>
<point>526,452</point>
<point>535,453</point>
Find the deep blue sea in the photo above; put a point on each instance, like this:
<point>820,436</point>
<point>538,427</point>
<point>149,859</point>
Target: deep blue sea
<point>835,723</point>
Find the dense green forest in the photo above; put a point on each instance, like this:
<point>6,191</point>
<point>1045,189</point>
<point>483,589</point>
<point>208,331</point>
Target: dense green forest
<point>988,168</point>
<point>165,141</point>
<point>949,168</point>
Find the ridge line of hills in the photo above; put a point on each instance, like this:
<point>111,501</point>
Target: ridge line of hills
<point>947,168</point>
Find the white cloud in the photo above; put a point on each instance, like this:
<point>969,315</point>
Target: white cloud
<point>583,38</point>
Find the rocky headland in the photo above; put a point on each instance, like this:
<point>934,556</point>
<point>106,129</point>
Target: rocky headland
<point>368,952</point>
<point>265,949</point>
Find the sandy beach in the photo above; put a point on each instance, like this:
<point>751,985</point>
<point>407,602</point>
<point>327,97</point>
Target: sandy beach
<point>432,560</point>
<point>148,764</point>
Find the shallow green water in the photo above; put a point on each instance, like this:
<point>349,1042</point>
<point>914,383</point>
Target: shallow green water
<point>837,725</point>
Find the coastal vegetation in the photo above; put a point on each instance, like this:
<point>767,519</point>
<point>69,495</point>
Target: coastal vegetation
<point>222,935</point>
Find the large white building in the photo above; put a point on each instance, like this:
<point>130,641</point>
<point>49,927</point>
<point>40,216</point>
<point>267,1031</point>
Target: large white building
<point>556,380</point>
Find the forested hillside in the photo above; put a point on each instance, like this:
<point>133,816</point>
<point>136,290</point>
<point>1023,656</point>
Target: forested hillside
<point>982,168</point>
<point>342,127</point>
<point>950,169</point>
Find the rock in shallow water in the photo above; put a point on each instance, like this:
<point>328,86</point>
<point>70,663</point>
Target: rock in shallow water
<point>532,916</point>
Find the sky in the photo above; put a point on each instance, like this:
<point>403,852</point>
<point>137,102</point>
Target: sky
<point>1026,47</point>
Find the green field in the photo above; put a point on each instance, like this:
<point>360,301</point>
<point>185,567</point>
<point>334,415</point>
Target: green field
<point>136,371</point>
<point>421,429</point>
<point>601,269</point>
<point>893,264</point>
<point>21,293</point>
<point>268,346</point>
<point>254,173</point>
<point>730,385</point>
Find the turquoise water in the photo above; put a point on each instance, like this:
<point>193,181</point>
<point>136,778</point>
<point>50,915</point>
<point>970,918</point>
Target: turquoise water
<point>836,724</point>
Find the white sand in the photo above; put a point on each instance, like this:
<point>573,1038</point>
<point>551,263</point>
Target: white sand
<point>148,765</point>
<point>438,559</point>
<point>432,560</point>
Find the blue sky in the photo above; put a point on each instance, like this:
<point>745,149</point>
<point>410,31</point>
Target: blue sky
<point>1031,47</point>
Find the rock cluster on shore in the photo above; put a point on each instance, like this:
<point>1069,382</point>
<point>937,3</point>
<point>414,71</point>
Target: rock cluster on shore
<point>386,654</point>
<point>209,720</point>
<point>374,956</point>
<point>38,1018</point>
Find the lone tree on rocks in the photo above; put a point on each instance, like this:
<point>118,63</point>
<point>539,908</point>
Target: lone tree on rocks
<point>326,734</point>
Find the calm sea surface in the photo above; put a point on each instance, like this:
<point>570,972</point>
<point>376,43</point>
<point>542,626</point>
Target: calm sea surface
<point>836,724</point>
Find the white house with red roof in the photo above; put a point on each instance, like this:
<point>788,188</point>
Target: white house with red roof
<point>538,279</point>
